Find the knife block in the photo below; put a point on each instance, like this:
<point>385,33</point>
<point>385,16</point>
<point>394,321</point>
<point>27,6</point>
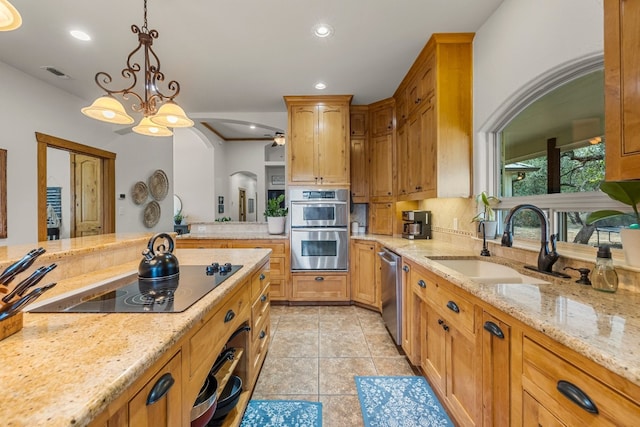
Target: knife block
<point>10,325</point>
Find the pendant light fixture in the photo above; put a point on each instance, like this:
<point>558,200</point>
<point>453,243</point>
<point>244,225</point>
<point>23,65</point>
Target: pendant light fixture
<point>9,17</point>
<point>159,111</point>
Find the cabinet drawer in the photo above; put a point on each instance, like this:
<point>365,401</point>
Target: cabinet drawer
<point>277,290</point>
<point>545,374</point>
<point>453,307</point>
<point>277,266</point>
<point>320,287</point>
<point>276,248</point>
<point>259,280</point>
<point>259,347</point>
<point>260,312</point>
<point>205,345</point>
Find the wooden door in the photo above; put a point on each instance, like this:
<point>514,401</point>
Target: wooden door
<point>427,150</point>
<point>381,218</point>
<point>403,161</point>
<point>433,348</point>
<point>242,205</point>
<point>496,369</point>
<point>87,194</point>
<point>413,154</point>
<point>358,121</point>
<point>333,145</point>
<point>382,121</point>
<point>381,172</point>
<point>464,373</point>
<point>364,278</point>
<point>359,170</point>
<point>302,143</point>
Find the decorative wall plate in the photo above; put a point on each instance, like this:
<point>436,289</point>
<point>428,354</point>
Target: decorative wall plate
<point>158,185</point>
<point>139,192</point>
<point>151,214</point>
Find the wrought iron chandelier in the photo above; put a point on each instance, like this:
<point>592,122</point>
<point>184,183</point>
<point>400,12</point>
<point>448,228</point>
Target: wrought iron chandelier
<point>156,121</point>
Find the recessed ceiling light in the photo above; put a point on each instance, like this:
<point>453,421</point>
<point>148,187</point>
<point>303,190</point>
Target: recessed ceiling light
<point>252,126</point>
<point>80,35</point>
<point>322,30</point>
<point>320,86</point>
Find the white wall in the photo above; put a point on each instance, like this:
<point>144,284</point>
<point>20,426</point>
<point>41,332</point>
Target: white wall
<point>246,182</point>
<point>29,105</point>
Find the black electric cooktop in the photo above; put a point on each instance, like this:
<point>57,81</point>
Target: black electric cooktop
<point>171,295</point>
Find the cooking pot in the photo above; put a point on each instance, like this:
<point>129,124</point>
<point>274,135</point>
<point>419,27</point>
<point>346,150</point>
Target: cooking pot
<point>205,404</point>
<point>158,262</point>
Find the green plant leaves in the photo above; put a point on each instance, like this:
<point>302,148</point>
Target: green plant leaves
<point>627,192</point>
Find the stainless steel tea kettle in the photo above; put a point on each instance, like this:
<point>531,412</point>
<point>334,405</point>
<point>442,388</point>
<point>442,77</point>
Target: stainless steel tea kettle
<point>159,263</point>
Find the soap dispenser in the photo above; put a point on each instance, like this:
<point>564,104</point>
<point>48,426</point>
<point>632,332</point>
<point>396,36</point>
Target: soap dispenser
<point>604,277</point>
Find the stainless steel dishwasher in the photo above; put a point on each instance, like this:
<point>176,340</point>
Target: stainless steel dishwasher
<point>391,284</point>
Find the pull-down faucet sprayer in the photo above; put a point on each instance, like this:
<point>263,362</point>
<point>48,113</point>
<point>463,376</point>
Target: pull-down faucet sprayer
<point>546,258</point>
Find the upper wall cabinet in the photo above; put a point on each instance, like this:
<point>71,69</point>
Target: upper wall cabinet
<point>622,98</point>
<point>434,117</point>
<point>318,129</point>
<point>359,156</point>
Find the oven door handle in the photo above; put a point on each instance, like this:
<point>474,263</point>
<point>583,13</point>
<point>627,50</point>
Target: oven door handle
<point>319,229</point>
<point>318,202</point>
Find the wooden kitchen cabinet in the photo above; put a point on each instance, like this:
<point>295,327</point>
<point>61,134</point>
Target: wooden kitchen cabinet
<point>622,98</point>
<point>320,286</point>
<point>382,153</point>
<point>145,409</point>
<point>365,285</point>
<point>278,260</point>
<point>381,218</point>
<point>496,371</point>
<point>437,91</point>
<point>260,322</point>
<point>402,161</point>
<point>381,117</point>
<point>411,309</point>
<point>318,145</point>
<point>359,154</point>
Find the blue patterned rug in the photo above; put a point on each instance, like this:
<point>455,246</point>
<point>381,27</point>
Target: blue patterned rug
<point>399,401</point>
<point>282,413</point>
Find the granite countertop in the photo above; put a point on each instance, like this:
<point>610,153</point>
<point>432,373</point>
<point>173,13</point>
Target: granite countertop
<point>63,369</point>
<point>601,326</point>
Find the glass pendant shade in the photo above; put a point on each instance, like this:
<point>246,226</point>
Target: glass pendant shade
<point>10,19</point>
<point>108,109</point>
<point>171,115</point>
<point>147,127</point>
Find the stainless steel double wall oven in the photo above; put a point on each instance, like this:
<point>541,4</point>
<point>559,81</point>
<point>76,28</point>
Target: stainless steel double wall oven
<point>319,229</point>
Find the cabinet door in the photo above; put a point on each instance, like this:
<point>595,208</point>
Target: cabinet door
<point>413,153</point>
<point>158,404</point>
<point>403,161</point>
<point>363,276</point>
<point>463,376</point>
<point>302,146</point>
<point>359,171</point>
<point>382,121</point>
<point>536,415</point>
<point>496,368</point>
<point>381,171</point>
<point>427,150</point>
<point>622,98</point>
<point>433,348</point>
<point>333,145</point>
<point>381,218</point>
<point>358,122</point>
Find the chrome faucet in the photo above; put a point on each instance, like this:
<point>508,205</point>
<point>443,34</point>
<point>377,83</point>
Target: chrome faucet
<point>546,259</point>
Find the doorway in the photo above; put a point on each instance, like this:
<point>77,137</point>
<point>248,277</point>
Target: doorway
<point>98,207</point>
<point>86,194</point>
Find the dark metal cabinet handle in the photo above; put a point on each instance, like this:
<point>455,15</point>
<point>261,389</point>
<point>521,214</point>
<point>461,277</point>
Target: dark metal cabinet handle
<point>445,327</point>
<point>262,334</point>
<point>494,329</point>
<point>229,316</point>
<point>263,298</point>
<point>422,284</point>
<point>577,396</point>
<point>262,277</point>
<point>418,100</point>
<point>453,307</point>
<point>405,268</point>
<point>440,321</point>
<point>319,279</point>
<point>160,388</point>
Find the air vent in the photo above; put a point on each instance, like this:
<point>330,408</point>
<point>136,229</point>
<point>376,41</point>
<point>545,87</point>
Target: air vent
<point>55,71</point>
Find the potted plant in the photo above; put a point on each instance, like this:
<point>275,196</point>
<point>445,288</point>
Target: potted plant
<point>487,215</point>
<point>178,217</point>
<point>276,215</point>
<point>627,192</point>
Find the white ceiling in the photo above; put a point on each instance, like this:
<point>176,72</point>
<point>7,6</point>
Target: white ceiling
<point>238,55</point>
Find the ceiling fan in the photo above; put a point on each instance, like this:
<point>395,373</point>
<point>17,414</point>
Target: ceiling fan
<point>278,139</point>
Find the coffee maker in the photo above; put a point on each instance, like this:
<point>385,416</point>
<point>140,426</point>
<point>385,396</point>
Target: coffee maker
<point>417,225</point>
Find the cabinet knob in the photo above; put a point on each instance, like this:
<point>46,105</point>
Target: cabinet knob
<point>319,279</point>
<point>262,276</point>
<point>422,284</point>
<point>418,100</point>
<point>445,327</point>
<point>160,388</point>
<point>577,396</point>
<point>494,329</point>
<point>405,268</point>
<point>262,334</point>
<point>263,298</point>
<point>440,321</point>
<point>229,316</point>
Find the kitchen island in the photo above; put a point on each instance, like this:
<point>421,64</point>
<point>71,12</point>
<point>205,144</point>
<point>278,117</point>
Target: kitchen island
<point>76,369</point>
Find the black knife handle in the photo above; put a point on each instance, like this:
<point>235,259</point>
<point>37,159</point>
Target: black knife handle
<point>19,266</point>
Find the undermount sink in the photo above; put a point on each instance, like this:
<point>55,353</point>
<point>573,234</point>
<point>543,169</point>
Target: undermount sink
<point>488,272</point>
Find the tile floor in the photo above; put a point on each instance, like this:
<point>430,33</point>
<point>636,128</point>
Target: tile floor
<point>316,351</point>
